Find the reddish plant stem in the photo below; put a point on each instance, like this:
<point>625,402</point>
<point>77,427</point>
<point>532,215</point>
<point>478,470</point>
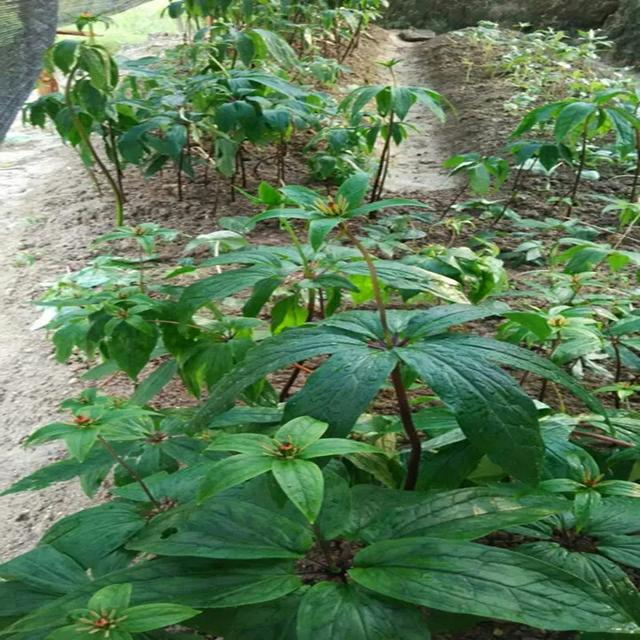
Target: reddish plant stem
<point>284,393</point>
<point>512,197</point>
<point>583,159</point>
<point>413,466</point>
<point>618,375</point>
<point>86,139</point>
<point>130,470</point>
<point>602,438</point>
<point>453,202</point>
<point>180,165</point>
<point>353,42</point>
<point>378,184</point>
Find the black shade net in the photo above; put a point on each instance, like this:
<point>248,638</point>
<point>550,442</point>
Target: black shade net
<point>27,28</point>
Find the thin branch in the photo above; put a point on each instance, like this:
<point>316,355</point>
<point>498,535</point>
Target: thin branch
<point>413,467</point>
<point>602,438</point>
<point>130,470</point>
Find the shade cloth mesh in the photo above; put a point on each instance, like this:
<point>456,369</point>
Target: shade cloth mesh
<point>27,28</point>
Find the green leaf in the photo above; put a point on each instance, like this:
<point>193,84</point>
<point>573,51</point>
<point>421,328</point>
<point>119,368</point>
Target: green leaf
<point>620,548</point>
<point>286,313</point>
<point>385,470</point>
<point>593,569</point>
<point>464,514</point>
<point>534,322</point>
<point>50,432</point>
<point>81,442</point>
<point>154,383</point>
<point>261,294</point>
<point>96,465</point>
<point>303,483</point>
<point>354,189</point>
<point>402,99</point>
<point>64,54</point>
<point>242,415</point>
<point>449,467</point>
<point>319,230</point>
<point>359,98</point>
<point>518,358</point>
<point>233,471</point>
<point>294,345</point>
<point>574,115</point>
<point>197,583</point>
<point>334,517</point>
<point>274,620</point>
<point>301,431</point>
<point>246,48</point>
<point>223,285</point>
<point>541,115</point>
<point>619,488</point>
<point>250,443</point>
<point>365,209</point>
<point>410,278</point>
<point>47,569</point>
<point>494,413</point>
<point>469,578</point>
<point>201,583</point>
<point>115,596</point>
<point>330,611</point>
<point>438,319</point>
<point>146,617</point>
<point>342,388</point>
<point>279,48</point>
<point>107,526</point>
<point>225,529</point>
<point>288,214</point>
<point>96,62</point>
<point>337,447</point>
<point>131,347</point>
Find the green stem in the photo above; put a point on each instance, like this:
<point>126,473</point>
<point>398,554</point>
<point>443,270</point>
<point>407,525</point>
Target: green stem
<point>375,281</point>
<point>220,66</point>
<point>554,346</point>
<point>627,233</point>
<point>297,244</point>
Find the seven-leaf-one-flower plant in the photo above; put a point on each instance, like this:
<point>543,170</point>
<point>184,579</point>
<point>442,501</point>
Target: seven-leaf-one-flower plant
<point>287,456</point>
<point>325,213</point>
<point>108,615</point>
<point>492,410</point>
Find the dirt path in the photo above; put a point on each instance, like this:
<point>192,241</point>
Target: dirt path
<point>43,190</point>
<point>417,162</point>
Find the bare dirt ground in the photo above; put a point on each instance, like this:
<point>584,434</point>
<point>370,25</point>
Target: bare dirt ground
<point>417,163</point>
<point>47,222</point>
